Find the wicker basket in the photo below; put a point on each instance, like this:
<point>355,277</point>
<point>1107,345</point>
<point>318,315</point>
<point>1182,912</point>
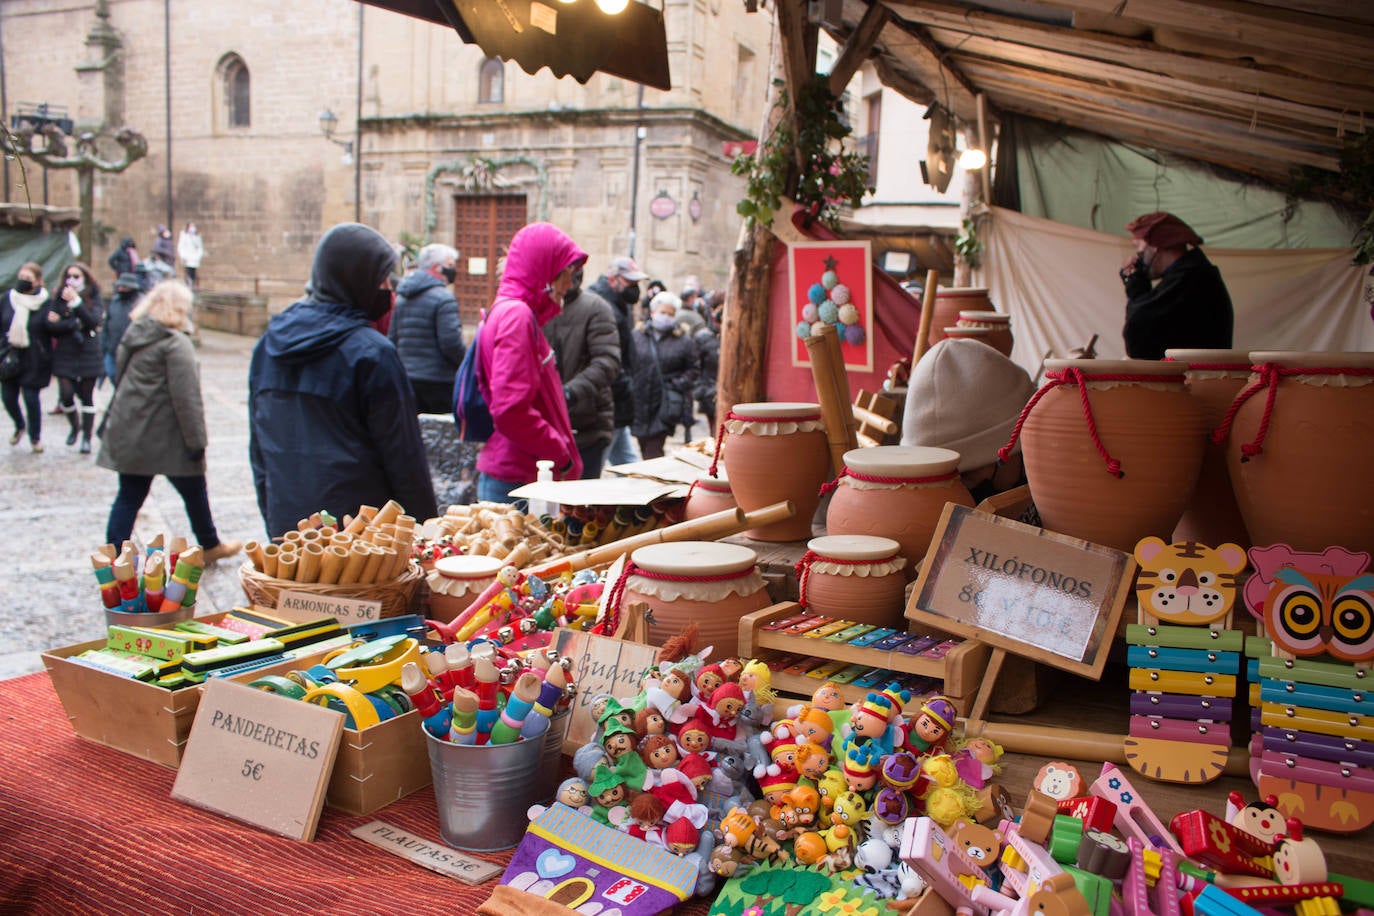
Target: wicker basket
<point>397,595</point>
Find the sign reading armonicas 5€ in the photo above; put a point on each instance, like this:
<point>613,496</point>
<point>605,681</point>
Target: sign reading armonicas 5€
<point>1035,593</point>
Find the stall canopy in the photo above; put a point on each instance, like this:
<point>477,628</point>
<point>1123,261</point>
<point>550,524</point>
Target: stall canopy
<point>576,39</point>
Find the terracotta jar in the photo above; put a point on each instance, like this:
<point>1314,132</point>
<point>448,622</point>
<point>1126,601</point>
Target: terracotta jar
<point>897,492</point>
<point>985,336</point>
<point>996,322</point>
<point>1121,463</point>
<point>854,577</point>
<point>455,582</point>
<point>776,452</point>
<point>1214,378</point>
<point>708,495</point>
<point>950,302</point>
<point>1299,450</point>
<point>702,582</point>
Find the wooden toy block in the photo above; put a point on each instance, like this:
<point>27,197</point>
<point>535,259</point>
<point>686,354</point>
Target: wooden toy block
<point>1213,901</point>
<point>1134,819</point>
<point>1135,888</point>
<point>1208,839</point>
<point>1095,813</point>
<point>1032,864</point>
<point>940,861</point>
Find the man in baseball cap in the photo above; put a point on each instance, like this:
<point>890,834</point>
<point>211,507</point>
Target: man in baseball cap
<point>1189,307</point>
<point>619,286</point>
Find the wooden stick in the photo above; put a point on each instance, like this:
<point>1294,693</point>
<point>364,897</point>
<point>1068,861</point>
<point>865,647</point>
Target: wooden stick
<point>1078,744</point>
<point>840,378</point>
<point>827,393</point>
<point>927,313</point>
<point>706,528</point>
<point>880,423</point>
<point>985,173</point>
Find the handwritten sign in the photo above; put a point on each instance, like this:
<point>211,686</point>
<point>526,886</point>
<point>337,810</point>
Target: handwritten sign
<point>431,855</point>
<point>347,610</point>
<point>259,758</point>
<point>1045,596</point>
<point>604,665</point>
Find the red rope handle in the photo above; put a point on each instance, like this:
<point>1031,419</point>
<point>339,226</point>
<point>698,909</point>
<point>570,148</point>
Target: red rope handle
<point>1075,376</point>
<point>731,415</point>
<point>803,570</point>
<point>870,478</point>
<point>1269,376</point>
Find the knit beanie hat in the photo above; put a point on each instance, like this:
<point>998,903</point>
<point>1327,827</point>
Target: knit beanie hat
<point>965,396</point>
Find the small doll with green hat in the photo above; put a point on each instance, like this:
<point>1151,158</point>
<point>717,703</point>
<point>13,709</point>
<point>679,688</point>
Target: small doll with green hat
<point>610,797</point>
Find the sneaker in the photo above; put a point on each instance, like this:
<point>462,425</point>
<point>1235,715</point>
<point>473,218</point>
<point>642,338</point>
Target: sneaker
<point>222,550</point>
<point>18,434</point>
<point>38,448</point>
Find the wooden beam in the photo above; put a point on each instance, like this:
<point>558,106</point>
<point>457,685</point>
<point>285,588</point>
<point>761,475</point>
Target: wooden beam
<point>1271,109</point>
<point>923,61</point>
<point>1353,90</point>
<point>798,38</point>
<point>901,82</point>
<point>1266,27</point>
<point>1297,145</point>
<point>1336,9</point>
<point>857,48</point>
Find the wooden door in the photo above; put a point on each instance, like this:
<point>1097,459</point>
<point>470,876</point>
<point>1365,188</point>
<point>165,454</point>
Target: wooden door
<point>483,227</point>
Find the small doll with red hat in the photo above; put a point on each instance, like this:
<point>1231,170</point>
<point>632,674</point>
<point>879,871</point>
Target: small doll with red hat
<point>646,814</point>
<point>725,703</point>
<point>931,726</point>
<point>681,837</point>
<point>661,775</point>
<point>694,737</point>
<point>775,786</point>
<point>707,679</point>
<point>697,769</point>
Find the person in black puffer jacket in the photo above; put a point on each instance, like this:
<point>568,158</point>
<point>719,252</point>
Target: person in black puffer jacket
<point>426,329</point>
<point>24,314</point>
<point>76,359</point>
<point>587,346</point>
<point>125,258</point>
<point>619,286</point>
<point>666,369</point>
<point>117,312</point>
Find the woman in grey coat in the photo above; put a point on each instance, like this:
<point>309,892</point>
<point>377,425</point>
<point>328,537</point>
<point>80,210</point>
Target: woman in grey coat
<point>156,422</point>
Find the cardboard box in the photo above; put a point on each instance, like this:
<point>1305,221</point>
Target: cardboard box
<point>375,766</point>
<point>131,716</point>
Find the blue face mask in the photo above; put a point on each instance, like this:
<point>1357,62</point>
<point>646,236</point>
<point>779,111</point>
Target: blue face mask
<point>662,322</point>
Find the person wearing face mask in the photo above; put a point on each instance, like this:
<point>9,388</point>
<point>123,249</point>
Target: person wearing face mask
<point>1175,297</point>
<point>619,286</point>
<point>426,329</point>
<point>77,361</point>
<point>519,375</point>
<point>191,250</point>
<point>27,322</point>
<point>332,420</point>
<point>587,347</point>
<point>666,369</point>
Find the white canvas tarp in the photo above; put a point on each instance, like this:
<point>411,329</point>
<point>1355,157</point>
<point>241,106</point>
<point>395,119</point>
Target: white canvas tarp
<point>1060,285</point>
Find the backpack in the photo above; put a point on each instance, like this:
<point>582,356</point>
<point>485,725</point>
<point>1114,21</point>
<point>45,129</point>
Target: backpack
<point>470,410</point>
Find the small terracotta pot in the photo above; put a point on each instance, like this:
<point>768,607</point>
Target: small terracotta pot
<point>777,452</point>
<point>1214,378</point>
<point>897,492</point>
<point>669,581</point>
<point>949,302</point>
<point>996,322</point>
<point>1145,422</point>
<point>709,495</point>
<point>854,577</point>
<point>455,582</point>
<point>985,336</point>
<point>1306,481</point>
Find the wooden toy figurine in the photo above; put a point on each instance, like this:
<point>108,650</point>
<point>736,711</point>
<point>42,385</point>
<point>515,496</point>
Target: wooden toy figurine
<point>1184,660</point>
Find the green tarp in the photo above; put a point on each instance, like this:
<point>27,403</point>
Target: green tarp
<point>49,249</point>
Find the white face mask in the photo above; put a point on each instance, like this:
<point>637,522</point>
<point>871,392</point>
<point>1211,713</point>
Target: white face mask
<point>662,321</point>
<point>76,283</point>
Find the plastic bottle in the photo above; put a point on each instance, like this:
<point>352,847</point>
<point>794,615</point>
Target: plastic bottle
<point>542,507</point>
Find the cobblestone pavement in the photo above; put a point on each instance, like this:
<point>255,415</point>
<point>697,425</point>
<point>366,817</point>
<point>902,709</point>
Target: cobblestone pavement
<point>53,509</point>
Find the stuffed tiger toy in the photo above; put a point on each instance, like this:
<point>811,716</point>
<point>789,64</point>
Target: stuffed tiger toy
<point>1187,583</point>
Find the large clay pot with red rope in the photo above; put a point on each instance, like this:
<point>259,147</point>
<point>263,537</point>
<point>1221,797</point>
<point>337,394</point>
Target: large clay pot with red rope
<point>703,582</point>
<point>998,324</point>
<point>776,452</point>
<point>708,495</point>
<point>1112,448</point>
<point>949,302</point>
<point>897,492</point>
<point>853,577</point>
<point>1298,443</point>
<point>1214,378</point>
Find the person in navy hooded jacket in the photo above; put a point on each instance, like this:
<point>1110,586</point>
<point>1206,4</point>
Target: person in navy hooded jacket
<point>331,414</point>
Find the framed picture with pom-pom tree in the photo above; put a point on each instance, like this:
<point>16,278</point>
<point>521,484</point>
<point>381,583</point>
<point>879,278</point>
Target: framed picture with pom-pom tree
<point>832,283</point>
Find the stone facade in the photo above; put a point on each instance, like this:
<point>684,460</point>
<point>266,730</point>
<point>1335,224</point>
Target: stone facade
<point>263,193</point>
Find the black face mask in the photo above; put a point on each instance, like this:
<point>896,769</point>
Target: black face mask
<point>382,301</point>
<point>450,273</point>
<point>630,294</point>
<point>23,286</point>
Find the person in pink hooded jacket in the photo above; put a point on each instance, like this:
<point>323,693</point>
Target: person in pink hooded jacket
<point>519,377</point>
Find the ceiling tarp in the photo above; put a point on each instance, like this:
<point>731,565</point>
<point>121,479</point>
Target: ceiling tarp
<point>571,39</point>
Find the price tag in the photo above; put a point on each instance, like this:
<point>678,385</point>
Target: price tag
<point>347,610</point>
<point>430,854</point>
<point>259,758</point>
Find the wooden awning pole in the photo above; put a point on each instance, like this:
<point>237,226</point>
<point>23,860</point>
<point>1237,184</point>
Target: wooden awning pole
<point>927,310</point>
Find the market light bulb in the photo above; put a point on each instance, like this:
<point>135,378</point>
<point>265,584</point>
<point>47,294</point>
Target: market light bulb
<point>612,7</point>
<point>973,159</point>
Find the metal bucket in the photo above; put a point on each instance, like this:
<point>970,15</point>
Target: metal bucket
<point>484,791</point>
<point>149,618</point>
<point>549,777</point>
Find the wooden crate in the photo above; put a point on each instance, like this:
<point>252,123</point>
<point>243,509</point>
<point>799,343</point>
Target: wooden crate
<point>960,671</point>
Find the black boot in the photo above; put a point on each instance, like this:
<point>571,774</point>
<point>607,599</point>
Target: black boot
<point>87,423</point>
<point>76,425</point>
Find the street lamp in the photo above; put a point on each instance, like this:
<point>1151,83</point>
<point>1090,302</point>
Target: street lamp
<point>328,122</point>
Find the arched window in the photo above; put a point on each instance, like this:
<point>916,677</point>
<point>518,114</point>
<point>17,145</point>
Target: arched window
<point>235,91</point>
<point>491,80</point>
